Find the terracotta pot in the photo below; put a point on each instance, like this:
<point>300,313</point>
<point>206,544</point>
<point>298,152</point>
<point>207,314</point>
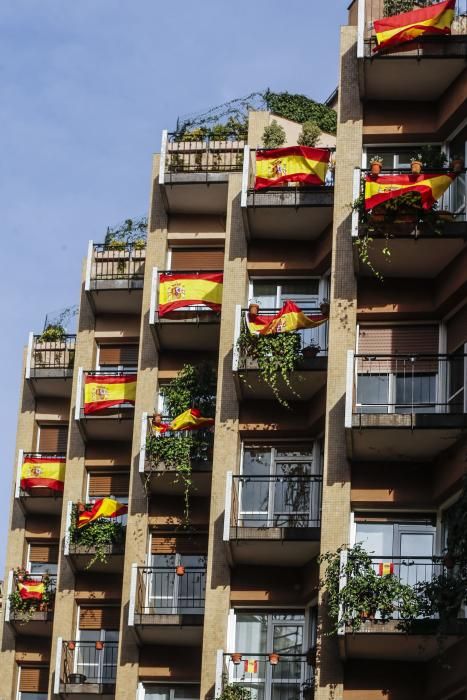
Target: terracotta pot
<point>71,646</point>
<point>416,167</point>
<point>180,570</point>
<point>81,507</point>
<point>310,351</point>
<point>236,658</point>
<point>375,168</point>
<point>274,659</point>
<point>99,645</point>
<point>457,165</point>
<point>253,309</point>
<point>157,419</point>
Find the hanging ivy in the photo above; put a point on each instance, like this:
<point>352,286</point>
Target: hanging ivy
<point>24,609</point>
<point>301,109</point>
<point>97,537</point>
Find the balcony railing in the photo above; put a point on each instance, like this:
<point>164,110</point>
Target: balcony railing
<point>51,355</point>
<point>279,501</point>
<point>86,664</point>
<point>292,189</point>
<point>170,590</point>
<point>75,543</point>
<point>290,677</point>
<point>374,10</point>
<point>36,491</point>
<point>196,313</point>
<point>101,401</point>
<point>200,453</point>
<point>206,156</point>
<point>403,383</point>
<point>112,263</point>
<point>35,609</point>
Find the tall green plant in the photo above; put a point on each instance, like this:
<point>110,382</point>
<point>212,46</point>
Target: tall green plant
<point>273,135</point>
<point>310,134</point>
<point>193,387</point>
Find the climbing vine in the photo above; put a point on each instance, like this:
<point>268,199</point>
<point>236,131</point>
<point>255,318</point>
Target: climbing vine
<point>97,537</point>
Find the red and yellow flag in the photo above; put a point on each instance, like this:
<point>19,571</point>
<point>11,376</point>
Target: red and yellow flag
<point>43,472</point>
<point>430,186</point>
<point>103,508</point>
<point>31,590</point>
<point>292,164</point>
<point>435,19</point>
<point>250,665</point>
<point>385,568</point>
<point>179,290</point>
<point>103,391</point>
<point>190,420</point>
<point>290,318</point>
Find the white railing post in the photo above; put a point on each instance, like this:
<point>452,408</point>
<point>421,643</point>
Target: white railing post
<point>29,355</point>
<point>245,174</point>
<point>79,393</point>
<point>132,602</point>
<point>228,506</point>
<point>9,591</point>
<point>361,29</point>
<point>357,175</point>
<point>237,328</point>
<point>162,162</point>
<point>87,279</point>
<point>219,672</point>
<point>66,546</point>
<point>342,583</point>
<point>19,465</point>
<point>142,449</point>
<point>58,665</point>
<point>153,300</point>
<point>349,389</point>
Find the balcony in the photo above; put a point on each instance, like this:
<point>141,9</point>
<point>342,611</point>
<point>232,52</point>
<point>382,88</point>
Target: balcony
<point>102,411</point>
<point>296,212</point>
<point>404,407</point>
<point>167,604</point>
<point>114,278</point>
<point>420,70</point>
<point>309,375</point>
<point>38,500</point>
<point>384,640</point>
<point>83,668</point>
<point>49,366</point>
<point>287,677</point>
<point>30,618</point>
<point>162,477</point>
<point>422,244</point>
<point>273,520</point>
<point>194,175</point>
<point>192,327</point>
<point>86,550</point>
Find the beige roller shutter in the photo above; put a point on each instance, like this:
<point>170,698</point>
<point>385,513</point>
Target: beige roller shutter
<point>197,259</point>
<point>95,618</point>
<point>53,438</point>
<point>178,544</point>
<point>118,355</point>
<point>43,553</point>
<point>34,680</point>
<point>109,483</point>
<point>397,340</point>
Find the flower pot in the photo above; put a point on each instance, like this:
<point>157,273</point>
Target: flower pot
<point>180,570</point>
<point>457,165</point>
<point>71,646</point>
<point>236,658</point>
<point>253,309</point>
<point>99,645</point>
<point>81,507</point>
<point>375,168</point>
<point>157,419</point>
<point>368,615</point>
<point>274,659</point>
<point>77,678</point>
<point>324,308</point>
<point>310,351</point>
<point>416,167</point>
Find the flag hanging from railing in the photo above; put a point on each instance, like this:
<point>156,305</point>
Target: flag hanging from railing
<point>190,420</point>
<point>407,26</point>
<point>250,666</point>
<point>290,318</point>
<point>293,164</point>
<point>103,391</point>
<point>103,508</point>
<point>385,568</point>
<point>179,290</point>
<point>43,472</point>
<point>430,187</point>
<point>31,590</point>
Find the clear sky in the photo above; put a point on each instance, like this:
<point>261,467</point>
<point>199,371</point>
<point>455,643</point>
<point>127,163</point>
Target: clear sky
<point>85,90</point>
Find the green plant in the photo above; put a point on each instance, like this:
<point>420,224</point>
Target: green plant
<point>416,158</point>
<point>97,537</point>
<point>396,7</point>
<point>310,134</point>
<point>52,333</point>
<point>376,160</point>
<point>277,356</point>
<point>24,609</point>
<point>433,157</point>
<point>443,595</point>
<point>300,108</point>
<point>273,135</point>
<point>127,233</point>
<point>234,691</point>
<point>198,134</point>
<point>193,387</point>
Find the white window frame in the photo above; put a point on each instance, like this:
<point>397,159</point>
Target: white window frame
<point>101,638</point>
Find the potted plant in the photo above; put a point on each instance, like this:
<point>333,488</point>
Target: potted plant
<point>457,164</point>
<point>52,333</point>
<point>253,308</point>
<point>236,658</point>
<point>99,645</point>
<point>180,570</point>
<point>274,658</point>
<point>234,691</point>
<point>311,351</point>
<point>76,678</point>
<point>416,164</point>
<point>71,645</point>
<point>376,165</point>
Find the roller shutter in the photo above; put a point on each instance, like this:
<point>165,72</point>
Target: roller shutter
<point>34,680</point>
<point>43,553</point>
<point>53,438</point>
<point>177,544</point>
<point>197,259</point>
<point>118,355</point>
<point>109,483</point>
<point>95,618</point>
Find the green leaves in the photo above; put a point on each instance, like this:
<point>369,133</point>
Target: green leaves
<point>97,537</point>
<point>193,387</point>
<point>300,108</point>
<point>130,232</point>
<point>273,135</point>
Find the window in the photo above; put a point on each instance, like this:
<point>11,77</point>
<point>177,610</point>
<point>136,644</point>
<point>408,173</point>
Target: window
<point>165,692</point>
<point>97,624</point>
<point>168,593</point>
<point>102,484</point>
<point>52,438</point>
<point>33,683</point>
<point>198,258</point>
<point>118,358</point>
<point>277,487</point>
<point>42,558</point>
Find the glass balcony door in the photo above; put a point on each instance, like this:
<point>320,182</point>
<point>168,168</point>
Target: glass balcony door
<point>397,392</point>
<point>98,666</point>
<point>171,594</point>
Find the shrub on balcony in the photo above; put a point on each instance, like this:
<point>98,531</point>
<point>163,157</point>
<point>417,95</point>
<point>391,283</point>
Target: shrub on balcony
<point>97,537</point>
<point>309,135</point>
<point>130,232</point>
<point>273,135</point>
<point>24,609</point>
<point>234,691</point>
<point>52,333</point>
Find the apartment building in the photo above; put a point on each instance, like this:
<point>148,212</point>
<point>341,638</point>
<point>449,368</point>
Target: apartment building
<point>363,441</point>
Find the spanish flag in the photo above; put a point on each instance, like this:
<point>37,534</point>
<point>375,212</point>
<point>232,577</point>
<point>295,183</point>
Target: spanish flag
<point>430,186</point>
<point>385,568</point>
<point>190,420</point>
<point>250,666</point>
<point>103,391</point>
<point>435,19</point>
<point>290,318</point>
<point>179,290</point>
<point>31,590</point>
<point>43,472</point>
<point>103,508</point>
<point>292,164</point>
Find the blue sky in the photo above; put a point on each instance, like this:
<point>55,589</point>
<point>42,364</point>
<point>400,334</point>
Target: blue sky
<point>85,90</point>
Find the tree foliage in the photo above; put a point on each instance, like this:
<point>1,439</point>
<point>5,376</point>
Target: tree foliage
<point>300,108</point>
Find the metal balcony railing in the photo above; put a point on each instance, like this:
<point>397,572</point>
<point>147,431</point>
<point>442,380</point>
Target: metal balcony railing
<point>52,354</point>
<point>201,451</point>
<point>289,677</point>
<point>190,312</point>
<point>102,397</point>
<point>206,156</point>
<point>403,383</point>
<point>111,263</point>
<point>115,543</point>
<point>375,9</point>
<point>279,501</point>
<point>170,590</point>
<point>86,663</point>
<point>452,204</point>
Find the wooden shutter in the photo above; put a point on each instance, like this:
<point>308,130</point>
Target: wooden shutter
<point>53,438</point>
<point>34,680</point>
<point>94,618</point>
<point>109,483</point>
<point>457,329</point>
<point>178,544</point>
<point>43,553</point>
<point>118,355</point>
<point>197,259</point>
